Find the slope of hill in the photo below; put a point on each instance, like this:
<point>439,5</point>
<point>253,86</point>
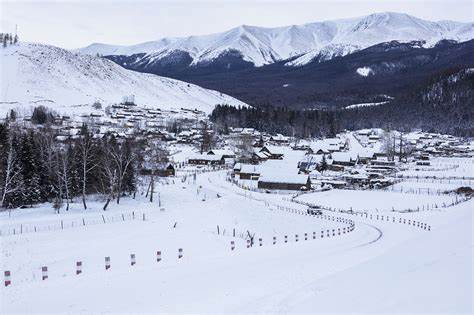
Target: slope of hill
<point>443,104</point>
<point>361,77</point>
<point>259,46</point>
<point>35,74</point>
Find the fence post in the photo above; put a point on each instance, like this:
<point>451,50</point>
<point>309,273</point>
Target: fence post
<point>314,235</point>
<point>180,253</point>
<point>296,237</point>
<point>305,236</point>
<point>107,263</point>
<point>158,256</point>
<point>132,260</point>
<point>274,240</point>
<point>286,238</point>
<point>8,280</point>
<point>232,245</point>
<point>44,272</point>
<point>260,242</point>
<point>78,267</point>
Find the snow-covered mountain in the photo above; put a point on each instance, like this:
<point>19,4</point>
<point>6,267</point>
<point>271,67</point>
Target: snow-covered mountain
<point>35,74</point>
<point>261,46</point>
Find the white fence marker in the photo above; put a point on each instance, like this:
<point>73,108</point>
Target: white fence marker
<point>7,278</point>
<point>107,263</point>
<point>44,272</point>
<point>78,267</point>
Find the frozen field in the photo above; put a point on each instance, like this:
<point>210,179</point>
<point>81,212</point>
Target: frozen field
<point>380,267</point>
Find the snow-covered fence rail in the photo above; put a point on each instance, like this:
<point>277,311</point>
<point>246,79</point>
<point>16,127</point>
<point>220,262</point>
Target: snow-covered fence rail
<point>392,219</point>
<point>56,225</point>
<point>416,191</point>
<point>434,177</point>
<point>370,216</point>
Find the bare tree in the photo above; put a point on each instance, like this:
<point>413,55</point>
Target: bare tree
<point>64,174</point>
<point>116,162</point>
<point>85,145</point>
<point>388,144</point>
<point>207,137</point>
<point>156,160</point>
<point>11,179</point>
<point>243,145</point>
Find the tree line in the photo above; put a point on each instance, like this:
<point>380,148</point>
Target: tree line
<point>8,39</point>
<point>443,104</point>
<point>36,167</point>
<point>297,123</point>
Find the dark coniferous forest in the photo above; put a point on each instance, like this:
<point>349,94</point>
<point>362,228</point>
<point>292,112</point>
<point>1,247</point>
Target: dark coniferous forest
<point>443,104</point>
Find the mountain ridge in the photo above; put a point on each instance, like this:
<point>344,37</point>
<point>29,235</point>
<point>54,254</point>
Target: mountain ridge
<point>264,45</point>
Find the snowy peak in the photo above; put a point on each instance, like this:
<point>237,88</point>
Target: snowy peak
<point>261,46</point>
<point>42,74</point>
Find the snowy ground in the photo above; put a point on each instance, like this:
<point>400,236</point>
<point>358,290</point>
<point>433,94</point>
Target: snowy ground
<point>380,267</point>
<point>373,200</point>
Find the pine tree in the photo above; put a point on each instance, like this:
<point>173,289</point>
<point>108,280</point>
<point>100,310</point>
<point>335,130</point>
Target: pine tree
<point>30,170</point>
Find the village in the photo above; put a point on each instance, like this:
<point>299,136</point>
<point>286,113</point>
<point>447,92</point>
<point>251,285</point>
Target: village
<point>363,159</point>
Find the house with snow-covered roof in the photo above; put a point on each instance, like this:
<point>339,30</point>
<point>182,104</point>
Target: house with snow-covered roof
<point>226,153</point>
<point>279,181</point>
<point>344,158</point>
<point>279,138</point>
<point>206,159</point>
<point>249,171</point>
<point>273,152</point>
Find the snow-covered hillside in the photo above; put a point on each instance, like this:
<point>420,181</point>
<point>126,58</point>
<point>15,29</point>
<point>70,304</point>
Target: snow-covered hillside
<point>34,74</point>
<point>261,45</point>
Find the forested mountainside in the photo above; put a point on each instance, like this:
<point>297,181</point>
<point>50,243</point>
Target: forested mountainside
<point>368,75</point>
<point>444,103</point>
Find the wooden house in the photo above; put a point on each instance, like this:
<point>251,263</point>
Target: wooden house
<point>284,182</point>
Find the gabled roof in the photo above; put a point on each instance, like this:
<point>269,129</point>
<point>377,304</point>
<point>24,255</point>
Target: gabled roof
<point>273,149</point>
<point>249,168</point>
<point>344,157</point>
<point>227,152</point>
<point>205,157</point>
<point>284,178</point>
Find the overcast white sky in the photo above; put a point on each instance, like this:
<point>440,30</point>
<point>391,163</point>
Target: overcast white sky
<point>73,24</point>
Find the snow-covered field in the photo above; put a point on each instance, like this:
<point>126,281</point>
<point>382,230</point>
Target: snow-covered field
<point>373,200</point>
<point>380,267</point>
